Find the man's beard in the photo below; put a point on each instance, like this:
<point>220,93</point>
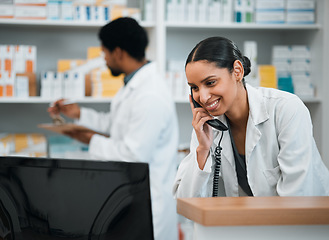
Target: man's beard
<point>115,72</point>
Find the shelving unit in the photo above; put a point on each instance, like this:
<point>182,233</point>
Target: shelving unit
<point>62,23</point>
<point>244,26</point>
<point>43,100</point>
<point>69,40</point>
<point>100,100</point>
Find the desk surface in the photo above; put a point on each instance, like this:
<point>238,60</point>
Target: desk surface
<point>238,211</point>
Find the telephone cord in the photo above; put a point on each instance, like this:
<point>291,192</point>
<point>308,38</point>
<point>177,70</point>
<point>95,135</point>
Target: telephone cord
<point>218,162</point>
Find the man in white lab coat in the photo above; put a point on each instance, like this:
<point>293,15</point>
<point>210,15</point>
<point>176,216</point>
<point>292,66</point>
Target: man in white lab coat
<point>142,122</point>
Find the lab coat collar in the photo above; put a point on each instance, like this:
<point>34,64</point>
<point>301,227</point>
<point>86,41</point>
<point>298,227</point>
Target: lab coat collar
<point>257,109</point>
<point>257,112</point>
<point>141,76</point>
<point>257,115</point>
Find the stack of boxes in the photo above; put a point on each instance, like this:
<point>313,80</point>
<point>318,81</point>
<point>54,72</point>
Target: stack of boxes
<point>176,80</point>
<point>103,83</point>
<point>28,145</point>
<point>301,71</point>
<point>281,59</point>
<point>60,10</point>
<point>250,51</point>
<point>17,71</point>
<point>6,9</point>
<point>65,147</point>
<point>300,11</point>
<point>65,83</point>
<point>77,10</point>
<point>241,11</point>
<point>199,11</point>
<point>56,85</point>
<point>244,11</point>
<point>285,11</point>
<point>77,78</point>
<point>270,11</point>
<point>30,9</point>
<point>293,66</point>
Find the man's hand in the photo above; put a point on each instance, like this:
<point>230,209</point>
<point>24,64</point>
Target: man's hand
<point>80,135</point>
<point>71,110</point>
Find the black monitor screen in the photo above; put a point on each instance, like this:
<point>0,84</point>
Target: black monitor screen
<point>43,198</point>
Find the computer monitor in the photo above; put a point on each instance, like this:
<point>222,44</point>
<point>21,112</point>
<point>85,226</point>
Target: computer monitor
<point>57,199</point>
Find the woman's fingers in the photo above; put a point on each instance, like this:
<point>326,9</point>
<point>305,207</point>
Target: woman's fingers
<point>200,116</point>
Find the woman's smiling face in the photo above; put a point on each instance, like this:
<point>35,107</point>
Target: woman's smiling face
<point>214,88</point>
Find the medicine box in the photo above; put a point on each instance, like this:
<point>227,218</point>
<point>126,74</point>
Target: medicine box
<point>300,17</point>
<point>266,5</point>
<point>300,52</point>
<point>281,52</point>
<point>270,17</point>
<point>64,65</point>
<point>6,11</point>
<point>300,5</point>
<point>30,2</point>
<point>30,12</point>
<point>53,9</point>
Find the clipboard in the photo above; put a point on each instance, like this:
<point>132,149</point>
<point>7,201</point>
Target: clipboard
<point>67,127</point>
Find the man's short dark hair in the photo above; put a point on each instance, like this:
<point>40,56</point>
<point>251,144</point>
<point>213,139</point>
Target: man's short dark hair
<point>126,34</point>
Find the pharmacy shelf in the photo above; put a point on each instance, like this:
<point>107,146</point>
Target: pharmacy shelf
<point>44,100</point>
<point>244,26</point>
<point>105,100</point>
<point>62,23</point>
<point>304,99</point>
<point>238,26</point>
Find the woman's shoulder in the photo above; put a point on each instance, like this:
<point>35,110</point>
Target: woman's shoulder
<point>277,102</point>
<point>274,96</point>
<point>272,93</point>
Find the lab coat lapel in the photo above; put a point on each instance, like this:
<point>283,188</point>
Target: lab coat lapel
<point>257,115</point>
<point>136,81</point>
<point>119,97</point>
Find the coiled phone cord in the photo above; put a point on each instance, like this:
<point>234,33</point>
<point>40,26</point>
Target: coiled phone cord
<point>218,162</point>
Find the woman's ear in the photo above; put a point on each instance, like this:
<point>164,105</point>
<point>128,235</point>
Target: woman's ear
<point>238,70</point>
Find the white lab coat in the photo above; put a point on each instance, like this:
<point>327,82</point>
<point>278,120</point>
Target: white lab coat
<point>142,125</point>
<point>281,155</point>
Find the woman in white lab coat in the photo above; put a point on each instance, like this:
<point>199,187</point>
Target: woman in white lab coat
<point>268,150</point>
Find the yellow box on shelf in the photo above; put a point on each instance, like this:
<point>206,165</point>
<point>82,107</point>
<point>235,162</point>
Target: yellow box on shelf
<point>120,11</point>
<point>104,84</point>
<point>267,76</point>
<point>64,65</point>
<point>94,52</point>
<point>31,145</point>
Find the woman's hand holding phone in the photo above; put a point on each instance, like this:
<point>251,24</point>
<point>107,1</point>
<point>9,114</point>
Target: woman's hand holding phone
<point>203,132</point>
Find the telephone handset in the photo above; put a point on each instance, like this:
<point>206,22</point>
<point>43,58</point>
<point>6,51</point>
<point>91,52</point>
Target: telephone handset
<point>215,123</point>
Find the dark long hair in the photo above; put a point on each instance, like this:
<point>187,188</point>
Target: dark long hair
<point>221,51</point>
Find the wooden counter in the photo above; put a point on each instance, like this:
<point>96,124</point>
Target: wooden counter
<point>257,214</point>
